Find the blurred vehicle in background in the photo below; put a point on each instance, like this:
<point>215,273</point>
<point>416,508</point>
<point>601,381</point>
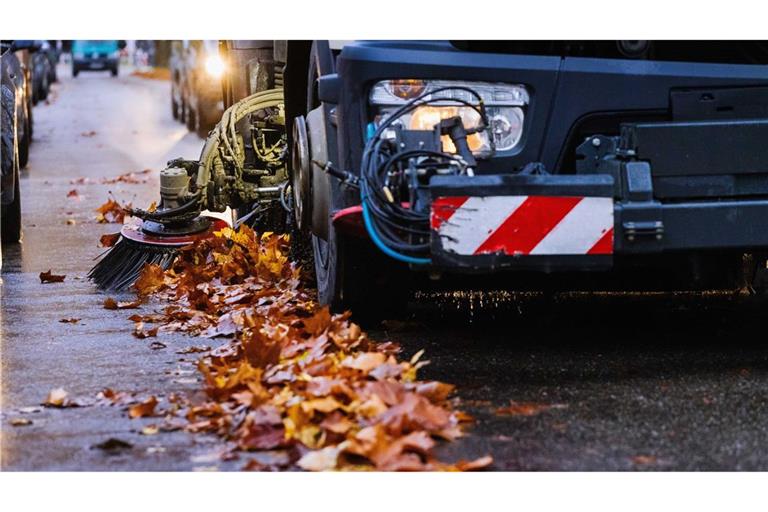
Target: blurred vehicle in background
<point>176,65</point>
<point>20,60</point>
<point>51,51</point>
<point>196,73</point>
<point>41,71</point>
<point>97,55</point>
<point>15,131</point>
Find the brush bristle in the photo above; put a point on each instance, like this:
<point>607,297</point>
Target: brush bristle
<point>121,265</point>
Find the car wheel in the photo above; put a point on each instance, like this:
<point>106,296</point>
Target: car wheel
<point>44,87</point>
<point>24,142</point>
<point>191,120</point>
<point>10,214</point>
<point>114,71</point>
<point>207,117</point>
<point>75,72</point>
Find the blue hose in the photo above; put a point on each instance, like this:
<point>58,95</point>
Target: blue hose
<point>380,244</point>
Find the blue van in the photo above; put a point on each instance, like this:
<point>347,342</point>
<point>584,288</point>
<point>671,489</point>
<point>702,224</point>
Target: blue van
<point>96,56</point>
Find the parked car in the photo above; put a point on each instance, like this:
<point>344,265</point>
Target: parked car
<point>41,72</point>
<point>14,132</point>
<point>96,55</point>
<point>196,72</point>
<point>51,51</point>
<point>176,64</point>
<point>22,77</point>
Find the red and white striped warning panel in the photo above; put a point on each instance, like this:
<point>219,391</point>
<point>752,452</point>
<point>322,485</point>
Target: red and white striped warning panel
<point>519,225</point>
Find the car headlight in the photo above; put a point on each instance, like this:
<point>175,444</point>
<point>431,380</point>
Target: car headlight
<point>505,105</point>
<point>214,66</point>
<point>115,54</point>
<point>79,55</point>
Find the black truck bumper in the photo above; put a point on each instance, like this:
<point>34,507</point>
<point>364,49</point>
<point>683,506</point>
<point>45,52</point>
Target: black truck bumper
<point>638,226</point>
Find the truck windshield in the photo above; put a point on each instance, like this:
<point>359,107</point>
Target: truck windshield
<point>99,46</point>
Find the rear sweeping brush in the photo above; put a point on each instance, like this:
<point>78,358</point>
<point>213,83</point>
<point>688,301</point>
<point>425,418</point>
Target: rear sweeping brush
<point>219,179</point>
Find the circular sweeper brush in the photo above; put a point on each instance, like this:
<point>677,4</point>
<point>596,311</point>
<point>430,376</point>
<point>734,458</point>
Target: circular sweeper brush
<point>142,242</point>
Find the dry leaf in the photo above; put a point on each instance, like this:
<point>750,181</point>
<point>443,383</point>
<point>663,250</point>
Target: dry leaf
<point>109,239</point>
<point>48,277</point>
<point>110,303</point>
<point>145,408</point>
<point>526,408</point>
<point>111,212</point>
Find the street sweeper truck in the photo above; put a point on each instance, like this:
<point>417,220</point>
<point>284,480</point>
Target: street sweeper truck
<point>515,164</point>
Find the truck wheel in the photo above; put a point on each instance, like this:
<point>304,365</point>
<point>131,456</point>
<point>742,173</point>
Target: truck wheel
<point>352,275</point>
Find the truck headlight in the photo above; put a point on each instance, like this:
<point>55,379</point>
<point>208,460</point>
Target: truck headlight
<point>214,66</point>
<point>505,104</point>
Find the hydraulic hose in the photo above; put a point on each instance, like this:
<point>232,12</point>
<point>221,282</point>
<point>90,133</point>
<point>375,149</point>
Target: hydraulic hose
<point>224,143</point>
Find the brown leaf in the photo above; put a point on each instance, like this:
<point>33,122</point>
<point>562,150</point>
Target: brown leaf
<point>644,460</point>
<point>48,277</point>
<point>109,239</point>
<point>20,422</point>
<point>69,320</point>
<point>526,408</point>
<point>140,332</point>
<point>474,465</point>
<point>111,212</point>
<point>150,280</point>
<point>110,303</point>
<point>73,194</point>
<point>365,362</point>
<point>145,408</point>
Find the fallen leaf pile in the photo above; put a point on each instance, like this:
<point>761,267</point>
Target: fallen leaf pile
<point>132,178</point>
<point>111,212</point>
<point>294,376</point>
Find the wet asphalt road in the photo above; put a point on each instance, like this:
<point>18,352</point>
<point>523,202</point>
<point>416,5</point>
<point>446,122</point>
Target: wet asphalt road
<point>667,382</point>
